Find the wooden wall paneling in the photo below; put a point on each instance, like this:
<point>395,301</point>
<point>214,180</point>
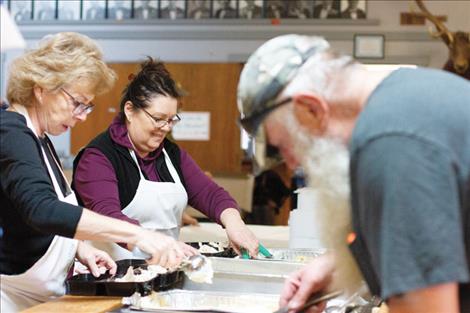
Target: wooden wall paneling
<point>106,108</point>
<point>211,87</point>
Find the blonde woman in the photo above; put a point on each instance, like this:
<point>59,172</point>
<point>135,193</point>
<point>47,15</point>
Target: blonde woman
<point>50,89</point>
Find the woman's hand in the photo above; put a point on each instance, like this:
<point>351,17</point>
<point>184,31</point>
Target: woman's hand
<point>189,220</point>
<point>302,284</point>
<point>164,250</point>
<point>239,235</point>
<point>187,249</point>
<point>97,261</point>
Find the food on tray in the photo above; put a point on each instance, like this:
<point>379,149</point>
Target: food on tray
<point>212,247</point>
<point>140,274</point>
<point>202,275</point>
<point>301,258</point>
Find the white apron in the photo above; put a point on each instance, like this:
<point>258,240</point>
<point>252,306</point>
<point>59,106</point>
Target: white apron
<point>45,279</point>
<point>157,206</point>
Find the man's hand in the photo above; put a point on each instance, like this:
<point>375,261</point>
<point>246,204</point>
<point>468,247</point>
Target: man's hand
<point>97,261</point>
<point>302,284</point>
<point>238,234</point>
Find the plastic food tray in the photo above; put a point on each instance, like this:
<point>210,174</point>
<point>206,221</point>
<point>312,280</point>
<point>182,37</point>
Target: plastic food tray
<point>105,285</point>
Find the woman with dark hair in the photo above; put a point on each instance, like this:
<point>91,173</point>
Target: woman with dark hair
<point>132,172</point>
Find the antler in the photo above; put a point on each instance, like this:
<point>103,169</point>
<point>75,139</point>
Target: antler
<point>442,30</point>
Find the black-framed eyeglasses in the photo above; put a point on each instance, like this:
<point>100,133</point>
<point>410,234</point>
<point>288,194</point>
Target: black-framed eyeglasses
<point>251,123</point>
<point>161,122</point>
<point>80,107</point>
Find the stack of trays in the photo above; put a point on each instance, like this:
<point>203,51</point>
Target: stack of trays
<point>262,275</point>
<point>105,285</point>
<point>249,276</point>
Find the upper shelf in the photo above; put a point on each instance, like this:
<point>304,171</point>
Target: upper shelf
<point>210,29</point>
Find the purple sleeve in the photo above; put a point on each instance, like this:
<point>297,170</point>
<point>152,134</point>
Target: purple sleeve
<point>96,184</point>
<point>203,193</point>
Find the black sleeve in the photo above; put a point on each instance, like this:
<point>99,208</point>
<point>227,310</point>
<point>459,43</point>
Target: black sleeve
<point>24,179</point>
<point>406,206</point>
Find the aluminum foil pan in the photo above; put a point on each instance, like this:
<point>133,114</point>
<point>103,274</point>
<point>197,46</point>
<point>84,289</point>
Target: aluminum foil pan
<point>294,255</point>
<point>203,301</point>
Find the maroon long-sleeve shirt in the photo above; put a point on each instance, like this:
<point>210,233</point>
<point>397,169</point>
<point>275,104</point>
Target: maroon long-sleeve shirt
<point>95,181</point>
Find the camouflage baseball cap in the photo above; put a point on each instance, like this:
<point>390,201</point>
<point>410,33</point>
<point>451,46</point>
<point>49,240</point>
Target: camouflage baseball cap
<point>268,70</point>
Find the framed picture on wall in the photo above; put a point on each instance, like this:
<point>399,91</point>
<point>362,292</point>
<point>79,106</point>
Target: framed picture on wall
<point>275,9</point>
<point>250,9</point>
<point>300,9</point>
<point>45,10</point>
<point>369,46</point>
<point>172,9</point>
<point>327,9</point>
<point>223,9</point>
<point>119,9</point>
<point>21,10</point>
<point>68,9</point>
<point>145,9</point>
<point>353,9</point>
<point>93,9</point>
<point>199,9</point>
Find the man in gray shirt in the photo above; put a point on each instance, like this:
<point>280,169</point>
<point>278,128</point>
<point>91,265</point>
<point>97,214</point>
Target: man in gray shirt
<point>408,133</point>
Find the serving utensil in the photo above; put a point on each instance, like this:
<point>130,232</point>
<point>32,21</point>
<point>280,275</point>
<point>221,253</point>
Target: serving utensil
<point>315,299</point>
<point>193,263</point>
<point>262,249</point>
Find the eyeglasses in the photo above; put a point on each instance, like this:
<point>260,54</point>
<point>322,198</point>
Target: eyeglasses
<point>250,123</point>
<point>80,107</point>
<point>161,122</point>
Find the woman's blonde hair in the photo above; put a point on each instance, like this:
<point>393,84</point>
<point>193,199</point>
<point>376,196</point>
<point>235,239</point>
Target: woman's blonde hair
<point>61,59</point>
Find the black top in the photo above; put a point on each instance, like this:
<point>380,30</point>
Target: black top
<point>54,161</point>
<point>31,214</point>
<point>127,172</point>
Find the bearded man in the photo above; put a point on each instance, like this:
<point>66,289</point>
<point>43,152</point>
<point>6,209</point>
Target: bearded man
<point>408,134</point>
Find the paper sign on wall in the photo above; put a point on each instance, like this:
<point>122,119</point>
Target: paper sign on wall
<point>193,126</point>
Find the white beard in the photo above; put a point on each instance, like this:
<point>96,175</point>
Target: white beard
<point>326,163</point>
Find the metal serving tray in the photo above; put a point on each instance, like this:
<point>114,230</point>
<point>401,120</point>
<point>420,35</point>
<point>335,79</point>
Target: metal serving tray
<point>246,276</point>
<point>105,285</point>
<point>203,301</point>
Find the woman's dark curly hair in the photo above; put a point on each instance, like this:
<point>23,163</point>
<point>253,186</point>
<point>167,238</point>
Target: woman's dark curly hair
<point>152,80</point>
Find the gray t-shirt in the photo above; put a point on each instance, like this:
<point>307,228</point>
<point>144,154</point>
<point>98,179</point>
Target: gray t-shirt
<point>410,180</point>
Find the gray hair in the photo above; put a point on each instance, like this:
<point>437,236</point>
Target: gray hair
<point>319,74</point>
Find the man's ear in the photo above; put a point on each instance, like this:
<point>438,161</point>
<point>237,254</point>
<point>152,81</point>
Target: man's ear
<point>312,112</point>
